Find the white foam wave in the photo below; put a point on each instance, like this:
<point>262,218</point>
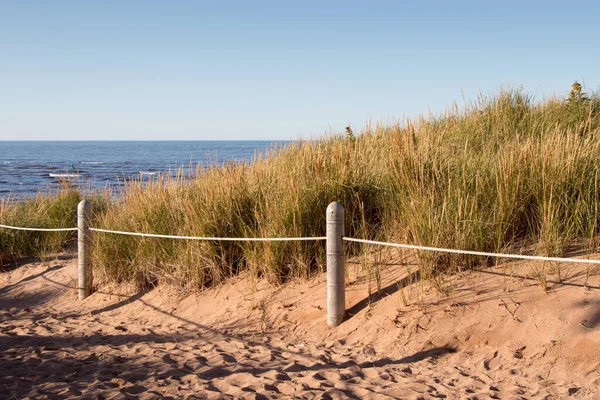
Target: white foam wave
<point>64,175</point>
<point>147,173</point>
<point>93,162</point>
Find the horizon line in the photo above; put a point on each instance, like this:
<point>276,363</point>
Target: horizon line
<point>148,140</point>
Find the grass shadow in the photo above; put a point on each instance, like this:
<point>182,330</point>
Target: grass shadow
<point>384,292</point>
<point>11,286</point>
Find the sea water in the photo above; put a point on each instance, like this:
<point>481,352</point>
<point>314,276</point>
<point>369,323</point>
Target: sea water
<point>27,167</point>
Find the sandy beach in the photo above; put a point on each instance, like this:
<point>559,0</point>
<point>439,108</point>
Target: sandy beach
<point>503,332</point>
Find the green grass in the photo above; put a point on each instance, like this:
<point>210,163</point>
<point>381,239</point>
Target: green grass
<point>501,174</point>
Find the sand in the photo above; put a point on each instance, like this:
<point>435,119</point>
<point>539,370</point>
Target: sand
<point>511,331</point>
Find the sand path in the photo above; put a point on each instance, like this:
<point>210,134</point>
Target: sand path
<point>273,344</point>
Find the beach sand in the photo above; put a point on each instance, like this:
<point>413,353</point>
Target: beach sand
<point>510,331</point>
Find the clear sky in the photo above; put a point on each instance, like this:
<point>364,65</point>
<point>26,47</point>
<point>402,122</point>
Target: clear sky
<point>202,70</point>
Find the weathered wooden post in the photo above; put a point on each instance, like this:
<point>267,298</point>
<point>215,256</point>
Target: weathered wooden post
<point>84,270</point>
<point>336,295</point>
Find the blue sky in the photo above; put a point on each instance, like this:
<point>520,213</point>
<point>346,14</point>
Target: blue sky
<point>165,70</point>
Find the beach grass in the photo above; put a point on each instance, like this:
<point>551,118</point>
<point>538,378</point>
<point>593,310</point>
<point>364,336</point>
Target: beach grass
<point>42,211</point>
<point>502,173</point>
<point>46,210</point>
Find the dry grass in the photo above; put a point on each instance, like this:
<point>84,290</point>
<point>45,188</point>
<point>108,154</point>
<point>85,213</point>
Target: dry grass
<point>42,211</point>
<point>45,210</point>
<point>503,173</point>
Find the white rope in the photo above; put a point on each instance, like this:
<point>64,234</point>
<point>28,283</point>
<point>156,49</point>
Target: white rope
<point>18,228</point>
<point>216,239</point>
<point>475,253</point>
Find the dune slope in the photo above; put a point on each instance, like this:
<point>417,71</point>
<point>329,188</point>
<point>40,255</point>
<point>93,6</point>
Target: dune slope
<point>510,331</point>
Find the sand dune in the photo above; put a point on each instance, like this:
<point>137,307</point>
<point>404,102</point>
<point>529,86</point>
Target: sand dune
<point>494,334</point>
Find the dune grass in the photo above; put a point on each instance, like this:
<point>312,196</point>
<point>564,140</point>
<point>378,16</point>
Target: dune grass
<point>47,210</point>
<point>42,211</point>
<point>504,173</point>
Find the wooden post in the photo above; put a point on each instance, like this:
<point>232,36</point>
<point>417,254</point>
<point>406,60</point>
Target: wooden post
<point>336,295</point>
<point>84,270</point>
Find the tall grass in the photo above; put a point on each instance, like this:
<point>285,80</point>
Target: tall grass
<point>42,211</point>
<point>499,174</point>
<point>504,173</point>
<point>281,195</point>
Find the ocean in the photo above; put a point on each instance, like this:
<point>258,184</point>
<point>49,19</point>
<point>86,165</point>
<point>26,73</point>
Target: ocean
<point>27,167</point>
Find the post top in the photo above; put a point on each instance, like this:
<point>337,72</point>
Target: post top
<point>83,205</point>
<point>335,211</point>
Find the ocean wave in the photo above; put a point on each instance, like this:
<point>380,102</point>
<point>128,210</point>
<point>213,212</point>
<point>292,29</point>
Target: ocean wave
<point>93,162</point>
<point>147,173</point>
<point>64,175</point>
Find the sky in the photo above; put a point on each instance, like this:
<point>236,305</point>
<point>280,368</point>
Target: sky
<point>258,70</point>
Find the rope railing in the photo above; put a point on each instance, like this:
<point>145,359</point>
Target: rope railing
<point>85,277</point>
<point>215,239</point>
<point>474,253</point>
<point>334,243</point>
<point>316,238</point>
<point>19,228</point>
<point>153,235</point>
